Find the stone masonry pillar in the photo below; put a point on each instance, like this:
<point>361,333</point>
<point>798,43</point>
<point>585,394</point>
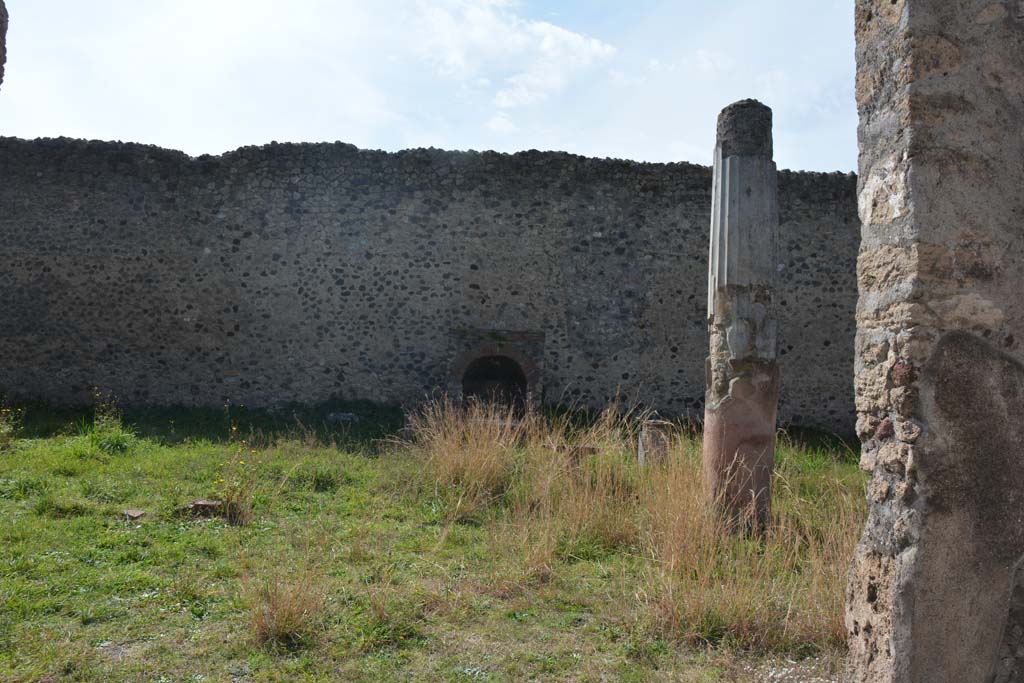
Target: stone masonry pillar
<point>3,39</point>
<point>936,590</point>
<point>742,373</point>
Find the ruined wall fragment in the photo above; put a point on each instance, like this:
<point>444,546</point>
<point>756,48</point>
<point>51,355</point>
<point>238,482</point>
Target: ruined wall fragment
<point>934,592</point>
<point>3,39</point>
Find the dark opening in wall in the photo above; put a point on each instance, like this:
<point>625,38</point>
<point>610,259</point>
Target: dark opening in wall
<point>495,378</point>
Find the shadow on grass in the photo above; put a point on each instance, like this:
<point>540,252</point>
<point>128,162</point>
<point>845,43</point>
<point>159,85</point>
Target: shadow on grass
<point>354,425</point>
<point>809,439</point>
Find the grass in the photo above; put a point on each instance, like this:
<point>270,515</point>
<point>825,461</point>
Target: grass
<point>285,606</point>
<point>477,549</point>
<point>10,425</point>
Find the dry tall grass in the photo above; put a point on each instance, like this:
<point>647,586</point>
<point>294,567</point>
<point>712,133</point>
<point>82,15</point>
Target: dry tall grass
<point>558,491</point>
<point>471,455</point>
<point>781,592</point>
<point>285,606</point>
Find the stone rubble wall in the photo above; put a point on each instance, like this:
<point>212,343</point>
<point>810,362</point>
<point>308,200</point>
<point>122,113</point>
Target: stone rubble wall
<point>300,272</point>
<point>935,588</point>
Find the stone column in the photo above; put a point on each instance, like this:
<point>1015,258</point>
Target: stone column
<point>3,39</point>
<point>742,373</point>
<point>936,590</point>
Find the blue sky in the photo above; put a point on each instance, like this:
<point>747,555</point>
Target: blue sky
<point>637,79</point>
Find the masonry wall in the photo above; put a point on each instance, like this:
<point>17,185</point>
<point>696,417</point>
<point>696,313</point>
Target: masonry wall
<point>936,591</point>
<point>303,272</point>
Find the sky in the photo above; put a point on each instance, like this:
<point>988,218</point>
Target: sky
<point>634,79</point>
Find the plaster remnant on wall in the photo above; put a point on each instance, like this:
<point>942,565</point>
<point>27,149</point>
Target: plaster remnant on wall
<point>883,195</point>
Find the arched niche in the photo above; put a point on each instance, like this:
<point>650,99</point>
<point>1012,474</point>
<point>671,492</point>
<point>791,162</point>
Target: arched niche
<point>496,371</point>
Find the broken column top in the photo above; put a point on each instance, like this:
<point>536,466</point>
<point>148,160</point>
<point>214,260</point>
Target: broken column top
<point>745,127</point>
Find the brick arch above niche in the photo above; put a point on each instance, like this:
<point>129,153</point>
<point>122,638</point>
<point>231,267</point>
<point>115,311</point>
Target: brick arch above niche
<point>524,348</point>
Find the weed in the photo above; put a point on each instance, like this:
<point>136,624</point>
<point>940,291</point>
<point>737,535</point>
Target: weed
<point>49,505</point>
<point>111,442</point>
<point>67,469</point>
<point>391,623</point>
<point>235,492</point>
<point>104,491</point>
<point>107,433</point>
<point>316,479</point>
<point>188,592</point>
<point>236,487</point>
<point>565,488</point>
<point>10,425</point>
<point>325,481</point>
<point>98,614</point>
<point>470,452</point>
<point>22,488</point>
<point>286,609</point>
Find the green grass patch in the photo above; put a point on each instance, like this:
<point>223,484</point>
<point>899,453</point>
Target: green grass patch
<point>354,564</point>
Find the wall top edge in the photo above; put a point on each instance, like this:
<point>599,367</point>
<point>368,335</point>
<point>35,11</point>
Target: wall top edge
<point>285,149</point>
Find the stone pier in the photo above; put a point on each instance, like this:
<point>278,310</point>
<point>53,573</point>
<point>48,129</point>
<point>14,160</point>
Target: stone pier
<point>742,373</point>
<point>936,591</point>
<point>3,39</point>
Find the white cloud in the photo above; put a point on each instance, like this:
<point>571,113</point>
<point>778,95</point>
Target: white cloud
<point>711,62</point>
<point>560,56</point>
<point>502,124</point>
<point>635,80</point>
<point>698,62</point>
<point>464,39</point>
<point>682,62</point>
